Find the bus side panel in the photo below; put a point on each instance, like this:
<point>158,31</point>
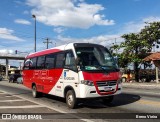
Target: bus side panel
<point>27,76</point>
<point>38,79</point>
<point>66,78</point>
<point>70,78</point>
<point>51,80</point>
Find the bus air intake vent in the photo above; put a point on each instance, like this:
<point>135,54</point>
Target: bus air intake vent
<point>106,83</point>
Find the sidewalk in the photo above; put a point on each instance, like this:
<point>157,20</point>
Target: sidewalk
<point>150,85</point>
<point>137,85</point>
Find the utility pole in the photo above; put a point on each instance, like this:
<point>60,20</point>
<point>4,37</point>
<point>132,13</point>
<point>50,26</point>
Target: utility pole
<point>35,32</point>
<point>47,42</point>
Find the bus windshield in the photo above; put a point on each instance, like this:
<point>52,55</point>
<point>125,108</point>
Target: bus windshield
<point>95,58</point>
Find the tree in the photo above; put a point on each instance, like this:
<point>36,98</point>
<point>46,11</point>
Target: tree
<point>151,33</point>
<point>137,46</point>
<point>135,49</point>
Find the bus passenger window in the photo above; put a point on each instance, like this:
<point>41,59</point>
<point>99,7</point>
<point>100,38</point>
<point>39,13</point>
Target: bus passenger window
<point>50,59</point>
<point>40,62</point>
<point>33,63</point>
<point>70,61</point>
<point>60,60</point>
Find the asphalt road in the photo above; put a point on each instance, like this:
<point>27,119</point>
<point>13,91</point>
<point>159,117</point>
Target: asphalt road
<point>132,103</point>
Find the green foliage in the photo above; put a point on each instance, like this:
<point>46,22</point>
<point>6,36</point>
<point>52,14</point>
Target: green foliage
<point>137,46</point>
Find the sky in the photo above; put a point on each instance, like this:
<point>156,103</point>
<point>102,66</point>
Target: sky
<point>65,21</point>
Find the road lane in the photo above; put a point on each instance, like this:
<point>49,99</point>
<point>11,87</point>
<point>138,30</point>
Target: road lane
<point>149,102</point>
<point>20,94</point>
<point>127,102</point>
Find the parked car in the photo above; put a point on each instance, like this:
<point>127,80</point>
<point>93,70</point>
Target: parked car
<point>20,80</point>
<point>125,77</point>
<point>13,77</point>
<point>147,75</point>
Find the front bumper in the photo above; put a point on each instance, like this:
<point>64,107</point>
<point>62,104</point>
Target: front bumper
<point>91,92</point>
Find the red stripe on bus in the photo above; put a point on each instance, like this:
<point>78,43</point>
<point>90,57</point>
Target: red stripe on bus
<point>43,52</point>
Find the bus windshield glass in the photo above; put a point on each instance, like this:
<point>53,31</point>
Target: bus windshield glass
<point>95,58</point>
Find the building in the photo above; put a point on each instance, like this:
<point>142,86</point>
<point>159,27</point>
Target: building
<point>11,69</point>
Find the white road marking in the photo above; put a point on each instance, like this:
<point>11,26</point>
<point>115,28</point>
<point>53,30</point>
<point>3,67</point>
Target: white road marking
<point>2,93</point>
<point>12,100</point>
<point>55,109</point>
<point>41,105</point>
<point>8,96</point>
<point>26,106</point>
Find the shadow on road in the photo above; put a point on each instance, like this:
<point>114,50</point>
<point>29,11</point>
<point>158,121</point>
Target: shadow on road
<point>124,99</point>
<point>119,100</point>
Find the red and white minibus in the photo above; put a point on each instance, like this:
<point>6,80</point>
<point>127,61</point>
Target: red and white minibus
<point>73,71</point>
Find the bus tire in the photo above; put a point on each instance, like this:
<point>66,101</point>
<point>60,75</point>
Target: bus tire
<point>108,99</point>
<point>35,93</point>
<point>71,99</point>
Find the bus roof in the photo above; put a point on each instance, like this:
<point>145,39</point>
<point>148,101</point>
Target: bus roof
<point>56,49</point>
<point>48,51</point>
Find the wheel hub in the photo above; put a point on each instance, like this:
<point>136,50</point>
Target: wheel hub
<point>70,99</point>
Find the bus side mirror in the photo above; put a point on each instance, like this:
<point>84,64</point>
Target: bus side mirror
<point>77,61</point>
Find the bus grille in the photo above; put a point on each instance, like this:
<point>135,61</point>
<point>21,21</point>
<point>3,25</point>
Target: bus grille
<point>106,83</point>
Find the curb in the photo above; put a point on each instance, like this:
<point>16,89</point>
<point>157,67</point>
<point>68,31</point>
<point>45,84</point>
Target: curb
<point>141,85</point>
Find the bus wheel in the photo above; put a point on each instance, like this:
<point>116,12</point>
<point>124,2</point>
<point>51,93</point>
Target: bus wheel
<point>108,99</point>
<point>71,99</point>
<point>35,93</point>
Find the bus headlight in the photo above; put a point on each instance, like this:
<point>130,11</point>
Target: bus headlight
<point>87,82</point>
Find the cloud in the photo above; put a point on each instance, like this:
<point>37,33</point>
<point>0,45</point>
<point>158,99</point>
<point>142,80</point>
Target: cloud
<point>68,13</point>
<point>151,19</point>
<point>133,27</point>
<point>22,21</point>
<point>5,51</point>
<point>18,2</point>
<point>105,40</point>
<point>109,40</point>
<point>26,12</point>
<point>8,34</point>
<point>136,26</point>
<point>58,30</point>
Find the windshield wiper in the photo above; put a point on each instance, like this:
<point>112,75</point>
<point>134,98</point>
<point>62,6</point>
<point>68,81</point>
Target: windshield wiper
<point>102,68</point>
<point>108,68</point>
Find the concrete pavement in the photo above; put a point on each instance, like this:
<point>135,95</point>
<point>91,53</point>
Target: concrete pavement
<point>150,85</point>
<point>132,84</point>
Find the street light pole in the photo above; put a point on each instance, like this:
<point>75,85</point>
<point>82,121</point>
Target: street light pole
<point>34,16</point>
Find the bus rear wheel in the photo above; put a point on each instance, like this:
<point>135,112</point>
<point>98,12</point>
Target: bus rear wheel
<point>71,99</point>
<point>35,93</point>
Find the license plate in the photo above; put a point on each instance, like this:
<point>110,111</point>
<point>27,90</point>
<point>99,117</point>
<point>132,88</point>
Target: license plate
<point>107,88</point>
